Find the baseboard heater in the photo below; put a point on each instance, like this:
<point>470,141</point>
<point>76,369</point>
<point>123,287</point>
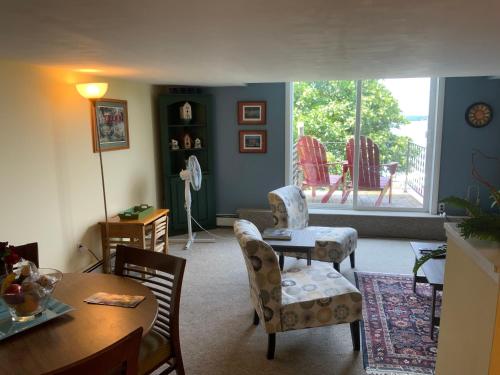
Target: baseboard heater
<point>225,220</point>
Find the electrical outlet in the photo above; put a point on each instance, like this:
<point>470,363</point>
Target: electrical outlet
<point>82,248</point>
<point>441,208</point>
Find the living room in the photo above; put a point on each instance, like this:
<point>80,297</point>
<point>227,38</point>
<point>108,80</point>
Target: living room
<point>52,191</point>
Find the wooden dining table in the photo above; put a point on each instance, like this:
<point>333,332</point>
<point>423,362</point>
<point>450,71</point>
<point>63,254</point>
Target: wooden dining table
<point>79,333</point>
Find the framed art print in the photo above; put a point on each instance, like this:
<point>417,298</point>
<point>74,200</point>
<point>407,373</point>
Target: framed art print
<point>253,141</point>
<point>110,125</point>
<point>252,113</point>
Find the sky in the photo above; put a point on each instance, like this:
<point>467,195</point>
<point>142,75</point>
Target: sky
<point>412,94</point>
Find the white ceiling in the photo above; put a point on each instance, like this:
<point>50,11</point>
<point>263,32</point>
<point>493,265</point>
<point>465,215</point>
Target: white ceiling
<point>218,42</point>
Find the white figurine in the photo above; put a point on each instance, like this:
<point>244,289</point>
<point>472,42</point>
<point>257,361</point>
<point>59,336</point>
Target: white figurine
<point>187,141</point>
<point>197,143</point>
<point>175,144</point>
<point>185,112</point>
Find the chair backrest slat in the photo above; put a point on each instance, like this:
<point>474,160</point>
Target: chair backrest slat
<point>165,281</point>
<point>313,161</point>
<point>159,231</point>
<point>369,162</point>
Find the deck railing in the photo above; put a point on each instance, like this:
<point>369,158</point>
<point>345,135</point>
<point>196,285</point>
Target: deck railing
<point>415,172</point>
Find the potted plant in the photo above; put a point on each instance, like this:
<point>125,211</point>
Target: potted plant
<point>480,224</point>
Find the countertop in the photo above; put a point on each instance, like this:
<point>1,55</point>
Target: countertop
<point>485,253</point>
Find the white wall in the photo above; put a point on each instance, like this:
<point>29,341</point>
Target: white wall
<point>50,190</point>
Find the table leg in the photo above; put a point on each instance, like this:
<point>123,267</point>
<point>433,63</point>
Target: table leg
<point>142,244</point>
<point>415,280</point>
<point>309,257</point>
<point>165,249</point>
<point>282,261</point>
<point>105,250</point>
<point>433,310</point>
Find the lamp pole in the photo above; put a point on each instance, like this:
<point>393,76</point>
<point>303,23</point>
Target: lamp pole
<point>106,251</point>
<point>93,91</point>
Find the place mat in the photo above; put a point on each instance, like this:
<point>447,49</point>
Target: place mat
<point>121,300</point>
<point>55,308</point>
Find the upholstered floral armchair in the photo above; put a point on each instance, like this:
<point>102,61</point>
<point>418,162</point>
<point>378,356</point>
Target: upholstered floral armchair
<point>333,244</point>
<point>302,297</point>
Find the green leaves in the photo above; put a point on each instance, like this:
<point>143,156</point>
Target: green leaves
<point>471,208</point>
<point>484,226</point>
<point>328,111</point>
<point>438,253</point>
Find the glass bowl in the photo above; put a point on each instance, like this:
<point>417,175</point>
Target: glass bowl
<point>28,296</point>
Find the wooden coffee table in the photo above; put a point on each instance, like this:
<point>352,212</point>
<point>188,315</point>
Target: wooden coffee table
<point>303,241</point>
<point>433,270</point>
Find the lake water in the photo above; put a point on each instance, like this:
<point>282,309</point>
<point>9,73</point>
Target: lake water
<point>415,130</point>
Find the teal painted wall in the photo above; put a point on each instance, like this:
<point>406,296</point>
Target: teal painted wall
<point>460,139</point>
<point>243,180</point>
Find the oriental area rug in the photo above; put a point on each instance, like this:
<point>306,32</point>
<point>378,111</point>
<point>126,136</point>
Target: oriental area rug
<point>396,325</point>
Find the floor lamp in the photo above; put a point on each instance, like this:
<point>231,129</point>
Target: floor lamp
<point>94,91</point>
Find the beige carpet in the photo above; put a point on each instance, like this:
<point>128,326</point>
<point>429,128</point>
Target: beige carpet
<point>217,334</point>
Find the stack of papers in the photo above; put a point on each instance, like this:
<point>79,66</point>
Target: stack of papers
<point>121,300</point>
<point>277,234</point>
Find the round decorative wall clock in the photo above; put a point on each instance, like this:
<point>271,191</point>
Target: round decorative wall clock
<point>479,115</point>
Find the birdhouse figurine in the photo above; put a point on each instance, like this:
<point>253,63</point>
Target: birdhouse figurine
<point>197,143</point>
<point>185,112</point>
<point>187,141</point>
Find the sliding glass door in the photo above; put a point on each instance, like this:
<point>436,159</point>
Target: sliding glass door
<point>363,144</point>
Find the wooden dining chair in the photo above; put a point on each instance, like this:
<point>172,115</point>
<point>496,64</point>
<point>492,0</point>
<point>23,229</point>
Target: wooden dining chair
<point>27,252</point>
<point>159,239</point>
<point>119,358</point>
<point>162,274</point>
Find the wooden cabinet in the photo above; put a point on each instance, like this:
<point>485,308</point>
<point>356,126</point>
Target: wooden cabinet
<point>173,127</point>
<point>469,340</point>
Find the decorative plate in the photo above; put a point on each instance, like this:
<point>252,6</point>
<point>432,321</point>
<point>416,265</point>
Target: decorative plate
<point>8,328</point>
<point>479,115</point>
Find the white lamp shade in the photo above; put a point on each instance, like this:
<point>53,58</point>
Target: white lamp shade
<point>92,90</point>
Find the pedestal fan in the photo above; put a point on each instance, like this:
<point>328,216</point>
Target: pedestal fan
<point>191,176</point>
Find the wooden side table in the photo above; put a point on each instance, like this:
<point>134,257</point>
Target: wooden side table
<point>433,270</point>
<point>303,241</point>
<point>129,232</point>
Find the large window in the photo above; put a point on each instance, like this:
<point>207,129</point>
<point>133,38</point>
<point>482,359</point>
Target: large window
<point>364,144</point>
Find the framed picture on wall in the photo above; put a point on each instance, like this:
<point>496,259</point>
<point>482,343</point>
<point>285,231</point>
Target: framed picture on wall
<point>252,113</point>
<point>110,125</point>
<point>253,141</point>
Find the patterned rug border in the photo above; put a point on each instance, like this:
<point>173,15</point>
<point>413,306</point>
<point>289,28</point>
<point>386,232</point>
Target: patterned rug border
<point>363,338</point>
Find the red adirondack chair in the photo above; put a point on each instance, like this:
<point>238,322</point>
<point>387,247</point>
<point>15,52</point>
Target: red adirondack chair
<point>370,170</point>
<point>312,159</point>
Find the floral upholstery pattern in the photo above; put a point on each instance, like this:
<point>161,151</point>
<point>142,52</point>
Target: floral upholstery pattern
<point>264,274</point>
<point>302,297</point>
<point>315,296</point>
<point>289,208</point>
